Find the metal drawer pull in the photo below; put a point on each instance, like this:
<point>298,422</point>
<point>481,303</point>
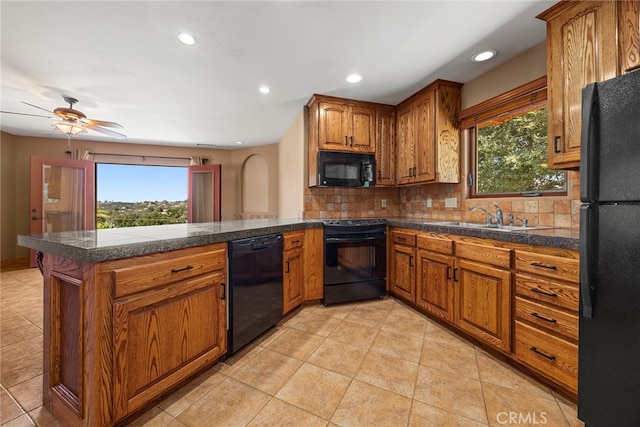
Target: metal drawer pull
<point>535,350</point>
<point>539,264</point>
<point>401,239</point>
<point>546,319</point>
<point>449,272</point>
<point>224,291</point>
<point>287,267</point>
<point>178,270</point>
<point>295,241</point>
<point>539,291</point>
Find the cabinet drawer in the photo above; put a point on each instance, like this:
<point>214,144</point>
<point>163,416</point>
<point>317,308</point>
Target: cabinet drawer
<point>547,317</point>
<point>403,238</point>
<point>293,240</point>
<point>500,257</point>
<point>435,244</point>
<point>553,357</point>
<point>548,265</point>
<point>548,291</point>
<point>148,275</point>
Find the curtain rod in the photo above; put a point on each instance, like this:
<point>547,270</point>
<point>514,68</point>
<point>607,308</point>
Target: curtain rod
<point>142,156</point>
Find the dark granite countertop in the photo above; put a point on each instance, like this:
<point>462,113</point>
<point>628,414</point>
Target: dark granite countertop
<point>564,238</point>
<point>115,243</point>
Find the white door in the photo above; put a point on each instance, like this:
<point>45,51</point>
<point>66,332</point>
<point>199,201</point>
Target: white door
<point>62,196</point>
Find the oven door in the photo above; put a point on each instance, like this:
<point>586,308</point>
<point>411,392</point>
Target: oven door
<point>354,268</point>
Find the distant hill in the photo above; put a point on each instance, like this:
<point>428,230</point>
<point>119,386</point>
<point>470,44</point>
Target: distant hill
<point>113,214</point>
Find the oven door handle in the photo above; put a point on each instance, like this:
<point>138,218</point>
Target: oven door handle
<point>352,239</point>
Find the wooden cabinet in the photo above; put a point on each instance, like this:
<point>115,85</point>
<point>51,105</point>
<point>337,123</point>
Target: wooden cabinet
<point>483,293</point>
<point>313,259</point>
<point>293,267</point>
<point>403,255</point>
<point>342,124</point>
<point>386,146</point>
<point>428,141</point>
<point>434,278</point>
<point>169,321</point>
<point>586,42</point>
<point>546,314</point>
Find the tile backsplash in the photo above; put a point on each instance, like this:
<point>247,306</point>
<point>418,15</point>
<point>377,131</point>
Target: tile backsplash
<point>440,202</point>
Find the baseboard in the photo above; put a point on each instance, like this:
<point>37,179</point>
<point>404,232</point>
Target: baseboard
<point>14,264</point>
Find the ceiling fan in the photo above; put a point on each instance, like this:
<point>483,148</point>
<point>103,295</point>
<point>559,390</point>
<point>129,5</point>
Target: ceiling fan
<point>73,121</point>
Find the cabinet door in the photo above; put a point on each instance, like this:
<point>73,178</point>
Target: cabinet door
<point>403,276</point>
<point>483,303</point>
<point>333,126</point>
<point>385,147</point>
<point>362,129</point>
<point>581,49</point>
<point>405,160</point>
<point>313,286</point>
<point>163,336</point>
<point>424,141</point>
<point>434,284</point>
<point>292,275</point>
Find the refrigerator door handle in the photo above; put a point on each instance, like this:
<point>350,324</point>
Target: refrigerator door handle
<point>588,158</point>
<point>588,243</point>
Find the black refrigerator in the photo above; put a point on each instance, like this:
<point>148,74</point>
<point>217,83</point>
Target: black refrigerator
<point>609,336</point>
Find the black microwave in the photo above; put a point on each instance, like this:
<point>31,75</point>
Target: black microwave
<point>340,169</point>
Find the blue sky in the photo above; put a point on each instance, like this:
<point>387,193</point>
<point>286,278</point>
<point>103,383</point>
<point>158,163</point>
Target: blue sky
<point>132,183</point>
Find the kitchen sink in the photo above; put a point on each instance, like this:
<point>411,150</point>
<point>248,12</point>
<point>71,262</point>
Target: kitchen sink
<point>475,225</point>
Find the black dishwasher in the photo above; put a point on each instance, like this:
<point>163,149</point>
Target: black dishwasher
<point>255,288</point>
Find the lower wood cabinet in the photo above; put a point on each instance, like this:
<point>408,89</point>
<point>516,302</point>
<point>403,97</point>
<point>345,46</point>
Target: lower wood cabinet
<point>483,303</point>
<point>293,270</point>
<point>435,274</point>
<point>519,299</point>
<point>163,336</point>
<point>119,334</point>
<point>546,314</point>
<point>403,267</point>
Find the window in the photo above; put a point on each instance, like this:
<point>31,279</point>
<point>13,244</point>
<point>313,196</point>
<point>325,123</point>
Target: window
<point>136,195</point>
<point>508,145</point>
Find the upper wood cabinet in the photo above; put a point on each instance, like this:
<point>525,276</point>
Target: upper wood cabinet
<point>386,146</point>
<point>428,140</point>
<point>342,124</point>
<point>587,41</point>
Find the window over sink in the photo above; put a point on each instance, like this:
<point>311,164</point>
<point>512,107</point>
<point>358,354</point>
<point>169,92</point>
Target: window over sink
<point>507,138</point>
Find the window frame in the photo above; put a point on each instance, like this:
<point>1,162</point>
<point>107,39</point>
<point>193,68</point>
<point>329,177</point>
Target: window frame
<point>527,97</point>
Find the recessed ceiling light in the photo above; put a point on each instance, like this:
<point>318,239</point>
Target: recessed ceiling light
<point>354,78</point>
<point>484,55</point>
<point>186,39</point>
<point>239,142</point>
<point>264,89</point>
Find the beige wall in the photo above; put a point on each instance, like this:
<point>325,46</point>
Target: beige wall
<point>522,69</point>
<point>292,154</point>
<point>8,190</point>
<point>16,152</point>
<point>238,159</point>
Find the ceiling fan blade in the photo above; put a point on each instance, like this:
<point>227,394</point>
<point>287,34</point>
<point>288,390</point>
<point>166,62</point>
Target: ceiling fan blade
<point>39,108</point>
<point>105,131</point>
<point>27,114</point>
<point>101,123</point>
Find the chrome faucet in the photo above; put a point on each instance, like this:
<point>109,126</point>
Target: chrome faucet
<point>498,217</point>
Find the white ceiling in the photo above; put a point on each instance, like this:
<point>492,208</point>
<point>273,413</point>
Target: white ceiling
<point>122,60</point>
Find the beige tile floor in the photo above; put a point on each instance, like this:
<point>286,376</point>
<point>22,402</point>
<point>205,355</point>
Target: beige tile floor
<point>371,363</point>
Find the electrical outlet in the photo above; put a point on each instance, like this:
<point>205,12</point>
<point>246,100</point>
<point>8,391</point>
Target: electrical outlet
<point>429,203</point>
<point>450,202</point>
<point>383,203</point>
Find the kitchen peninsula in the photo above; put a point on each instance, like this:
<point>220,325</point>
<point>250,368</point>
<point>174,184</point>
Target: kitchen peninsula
<point>131,314</point>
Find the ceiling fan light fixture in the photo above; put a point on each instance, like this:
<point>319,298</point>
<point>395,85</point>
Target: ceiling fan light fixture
<point>69,128</point>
